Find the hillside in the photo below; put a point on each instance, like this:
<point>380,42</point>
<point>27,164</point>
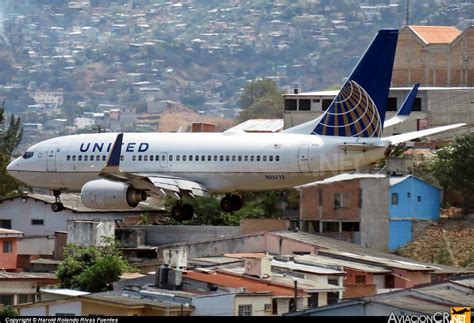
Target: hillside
<point>449,242</point>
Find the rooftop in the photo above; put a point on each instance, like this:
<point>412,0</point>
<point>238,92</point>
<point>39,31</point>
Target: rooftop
<point>9,233</point>
<point>343,177</point>
<point>27,276</point>
<point>436,34</point>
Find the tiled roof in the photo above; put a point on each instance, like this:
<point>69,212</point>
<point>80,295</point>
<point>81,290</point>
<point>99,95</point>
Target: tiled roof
<point>237,281</point>
<point>9,232</point>
<point>436,34</point>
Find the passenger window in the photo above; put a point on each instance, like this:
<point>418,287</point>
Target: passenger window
<point>246,158</point>
<point>68,158</point>
<point>145,158</point>
<point>85,158</point>
<point>222,158</point>
<point>258,158</point>
<point>240,158</point>
<point>233,158</point>
<point>79,158</point>
<point>163,157</point>
<point>197,158</point>
<point>103,158</point>
<point>209,158</point>
<point>122,158</point>
<point>184,157</point>
<point>92,158</point>
<point>134,157</point>
<point>277,158</point>
<point>215,158</point>
<point>264,158</point>
<point>177,157</point>
<point>271,158</point>
<point>203,158</point>
<point>251,158</point>
<point>157,158</point>
<point>151,157</point>
<point>73,157</point>
<point>227,158</point>
<point>171,158</point>
<point>97,157</point>
<point>139,157</point>
<point>190,157</point>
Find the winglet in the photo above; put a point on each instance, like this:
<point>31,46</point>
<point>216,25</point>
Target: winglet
<point>113,161</point>
<point>405,110</point>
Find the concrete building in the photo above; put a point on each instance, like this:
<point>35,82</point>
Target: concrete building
<point>411,200</point>
<point>344,207</point>
<point>374,211</point>
<point>425,299</point>
<point>8,248</point>
<point>20,288</point>
<point>37,219</point>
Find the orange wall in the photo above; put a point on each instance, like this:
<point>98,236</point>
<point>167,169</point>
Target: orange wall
<point>8,260</point>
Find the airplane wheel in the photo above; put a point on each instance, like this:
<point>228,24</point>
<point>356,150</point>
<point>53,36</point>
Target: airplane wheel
<point>236,202</point>
<point>188,212</point>
<point>177,212</point>
<point>57,207</point>
<point>226,204</point>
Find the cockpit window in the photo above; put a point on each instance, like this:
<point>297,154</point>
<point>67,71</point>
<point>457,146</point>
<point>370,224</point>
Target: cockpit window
<point>28,154</point>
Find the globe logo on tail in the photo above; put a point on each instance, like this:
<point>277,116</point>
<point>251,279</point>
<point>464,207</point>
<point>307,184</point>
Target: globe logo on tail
<point>353,113</point>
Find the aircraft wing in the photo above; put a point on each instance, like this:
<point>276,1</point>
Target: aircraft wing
<point>405,109</point>
<point>417,134</point>
<point>162,185</point>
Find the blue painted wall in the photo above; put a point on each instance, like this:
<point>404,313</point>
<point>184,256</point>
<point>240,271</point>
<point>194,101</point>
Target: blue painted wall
<point>400,233</point>
<point>416,199</point>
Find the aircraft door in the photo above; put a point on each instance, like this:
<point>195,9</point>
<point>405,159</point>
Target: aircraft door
<point>51,158</point>
<point>303,158</point>
<point>164,160</point>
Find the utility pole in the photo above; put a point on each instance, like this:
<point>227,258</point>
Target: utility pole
<point>408,13</point>
<point>296,296</point>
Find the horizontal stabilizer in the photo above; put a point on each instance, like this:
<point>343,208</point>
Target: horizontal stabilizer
<point>418,134</point>
<point>405,109</point>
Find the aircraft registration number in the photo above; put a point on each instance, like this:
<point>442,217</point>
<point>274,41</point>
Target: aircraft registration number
<point>275,176</point>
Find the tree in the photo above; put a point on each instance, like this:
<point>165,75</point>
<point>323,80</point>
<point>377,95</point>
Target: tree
<point>10,138</point>
<point>453,168</point>
<point>261,99</point>
<point>92,269</point>
<point>8,311</point>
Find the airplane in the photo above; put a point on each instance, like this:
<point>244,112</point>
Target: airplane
<point>120,170</point>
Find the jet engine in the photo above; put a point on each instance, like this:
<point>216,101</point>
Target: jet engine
<point>104,194</point>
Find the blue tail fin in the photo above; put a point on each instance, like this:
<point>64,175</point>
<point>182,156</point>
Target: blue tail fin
<point>407,105</point>
<point>359,108</point>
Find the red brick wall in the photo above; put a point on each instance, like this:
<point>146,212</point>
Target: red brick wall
<point>256,225</point>
<point>359,290</point>
<point>410,278</point>
<point>310,208</point>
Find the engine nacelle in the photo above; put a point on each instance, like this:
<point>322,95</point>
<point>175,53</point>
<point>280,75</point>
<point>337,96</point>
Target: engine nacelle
<point>104,194</point>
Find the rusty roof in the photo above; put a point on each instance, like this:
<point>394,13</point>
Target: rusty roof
<point>238,281</point>
<point>436,34</point>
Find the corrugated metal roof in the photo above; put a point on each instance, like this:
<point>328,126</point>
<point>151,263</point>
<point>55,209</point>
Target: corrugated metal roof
<point>397,180</point>
<point>313,269</point>
<point>26,275</point>
<point>317,259</point>
<point>436,34</point>
<point>237,281</point>
<point>8,232</point>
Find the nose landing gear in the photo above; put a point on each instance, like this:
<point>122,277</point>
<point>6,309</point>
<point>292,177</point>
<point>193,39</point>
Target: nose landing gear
<point>57,206</point>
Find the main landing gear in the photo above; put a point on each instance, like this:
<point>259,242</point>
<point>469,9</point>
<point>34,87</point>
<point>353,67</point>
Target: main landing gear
<point>57,206</point>
<point>182,212</point>
<point>230,203</point>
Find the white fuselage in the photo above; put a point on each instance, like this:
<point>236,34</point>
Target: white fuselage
<point>222,162</point>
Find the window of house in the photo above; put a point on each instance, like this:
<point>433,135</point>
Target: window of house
<point>290,105</point>
<point>408,194</point>
<point>417,105</point>
<point>6,224</point>
<point>350,226</point>
<point>360,279</point>
<point>245,310</point>
<point>313,300</point>
<point>389,281</point>
<point>25,298</point>
<point>7,246</point>
<point>341,200</point>
<point>333,281</point>
<point>392,104</point>
<point>326,103</point>
<point>330,226</point>
<point>6,300</point>
<point>305,105</point>
<point>418,198</point>
<point>333,298</point>
<point>37,222</point>
<point>394,198</point>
